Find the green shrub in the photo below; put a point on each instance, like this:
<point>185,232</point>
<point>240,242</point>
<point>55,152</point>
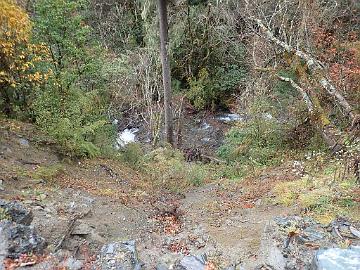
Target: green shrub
<point>206,57</point>
<point>257,142</point>
<point>283,89</point>
<point>200,94</point>
<point>197,174</point>
<point>47,173</point>
<point>74,120</point>
<point>168,168</point>
<point>211,90</point>
<point>4,214</point>
<point>132,154</point>
<point>71,106</point>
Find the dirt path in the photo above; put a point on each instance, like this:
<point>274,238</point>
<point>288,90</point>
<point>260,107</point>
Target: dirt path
<point>236,233</point>
<point>111,203</point>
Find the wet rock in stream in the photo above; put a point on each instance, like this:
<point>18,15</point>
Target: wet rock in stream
<point>230,117</point>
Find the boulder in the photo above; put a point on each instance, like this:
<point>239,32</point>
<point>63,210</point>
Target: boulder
<point>192,263</point>
<point>119,255</point>
<point>72,264</point>
<point>291,242</point>
<point>270,253</point>
<point>17,239</point>
<point>24,142</point>
<point>337,259</point>
<point>17,212</point>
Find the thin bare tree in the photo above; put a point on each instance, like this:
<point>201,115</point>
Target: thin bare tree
<point>164,42</point>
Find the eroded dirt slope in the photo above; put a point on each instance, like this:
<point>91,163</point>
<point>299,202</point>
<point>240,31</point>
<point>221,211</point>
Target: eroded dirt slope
<point>92,202</point>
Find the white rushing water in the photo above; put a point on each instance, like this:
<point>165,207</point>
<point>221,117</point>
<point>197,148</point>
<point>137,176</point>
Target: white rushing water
<point>205,126</point>
<point>125,137</point>
<point>230,117</point>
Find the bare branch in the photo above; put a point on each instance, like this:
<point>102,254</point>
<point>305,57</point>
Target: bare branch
<point>314,66</point>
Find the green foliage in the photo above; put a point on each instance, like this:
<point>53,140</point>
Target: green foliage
<point>257,142</point>
<point>133,154</point>
<point>71,106</point>
<point>75,55</point>
<point>200,94</point>
<point>211,91</point>
<point>320,197</point>
<point>284,90</point>
<point>4,215</point>
<point>20,60</point>
<point>197,175</point>
<point>206,59</point>
<point>168,168</point>
<point>47,173</point>
<point>74,120</point>
<point>118,23</point>
<point>197,2</point>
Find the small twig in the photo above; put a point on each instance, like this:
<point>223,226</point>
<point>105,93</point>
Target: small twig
<point>337,232</point>
<point>27,263</point>
<point>213,159</point>
<point>28,162</point>
<point>68,231</point>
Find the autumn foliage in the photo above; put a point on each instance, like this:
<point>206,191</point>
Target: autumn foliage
<point>341,52</point>
<point>19,57</point>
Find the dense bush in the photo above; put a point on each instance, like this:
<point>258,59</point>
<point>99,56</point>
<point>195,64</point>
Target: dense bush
<point>74,120</point>
<point>207,60</point>
<point>206,91</point>
<point>206,57</point>
<point>258,141</point>
<point>71,106</point>
<point>20,59</point>
<point>168,168</point>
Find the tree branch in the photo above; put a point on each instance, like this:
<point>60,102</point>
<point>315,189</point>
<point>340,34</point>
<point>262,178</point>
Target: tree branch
<point>314,65</point>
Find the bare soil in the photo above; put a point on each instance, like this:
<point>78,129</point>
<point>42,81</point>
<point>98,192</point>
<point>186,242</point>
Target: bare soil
<point>89,203</point>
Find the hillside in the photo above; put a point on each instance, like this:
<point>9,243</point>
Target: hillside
<point>179,134</point>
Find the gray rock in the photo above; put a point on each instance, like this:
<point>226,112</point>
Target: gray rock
<point>311,234</point>
<point>119,256</point>
<point>193,263</point>
<point>17,212</point>
<point>17,239</point>
<point>3,248</point>
<point>337,259</point>
<point>297,251</point>
<point>162,267</point>
<point>2,185</point>
<point>286,221</point>
<point>82,229</point>
<point>72,264</point>
<point>354,231</point>
<point>24,142</point>
<point>269,252</point>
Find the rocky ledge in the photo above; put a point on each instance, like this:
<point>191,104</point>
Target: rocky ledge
<point>290,242</point>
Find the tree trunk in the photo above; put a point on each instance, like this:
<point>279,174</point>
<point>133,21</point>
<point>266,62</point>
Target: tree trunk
<point>164,41</point>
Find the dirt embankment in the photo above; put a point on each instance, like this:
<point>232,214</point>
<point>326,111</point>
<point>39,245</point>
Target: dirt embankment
<point>79,206</point>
